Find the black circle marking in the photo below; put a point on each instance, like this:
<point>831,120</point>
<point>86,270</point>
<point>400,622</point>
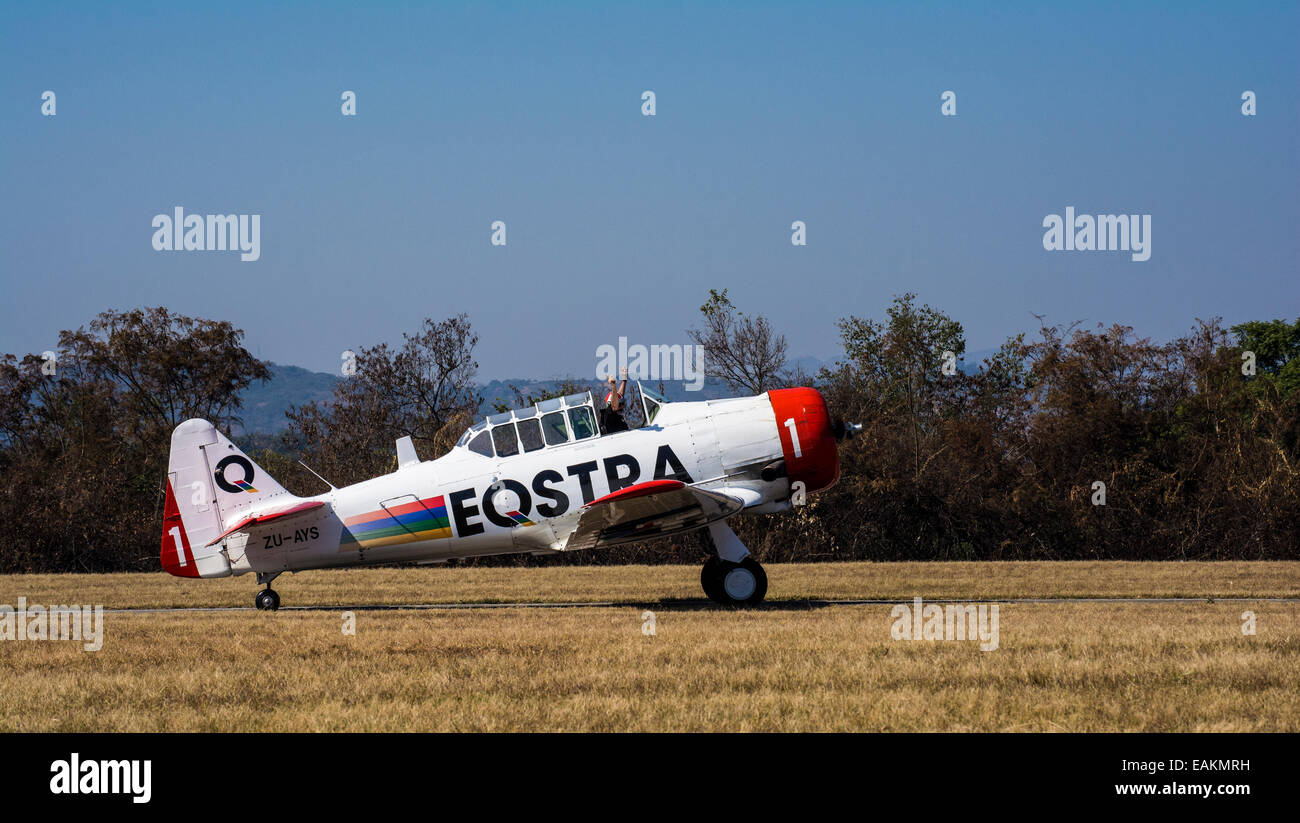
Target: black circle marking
<point>220,474</point>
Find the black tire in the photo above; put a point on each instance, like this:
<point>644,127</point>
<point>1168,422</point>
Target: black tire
<point>267,600</point>
<point>711,579</point>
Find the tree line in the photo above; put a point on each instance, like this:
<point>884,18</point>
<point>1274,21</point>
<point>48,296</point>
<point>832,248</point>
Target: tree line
<point>1072,443</point>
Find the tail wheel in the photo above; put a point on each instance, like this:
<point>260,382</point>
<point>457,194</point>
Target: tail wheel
<point>734,584</point>
<point>267,600</point>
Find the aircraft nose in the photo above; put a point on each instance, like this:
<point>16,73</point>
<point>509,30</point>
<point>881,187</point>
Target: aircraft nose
<point>807,437</point>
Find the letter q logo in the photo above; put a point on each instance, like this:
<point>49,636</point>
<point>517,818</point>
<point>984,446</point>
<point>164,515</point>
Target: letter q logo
<point>243,484</point>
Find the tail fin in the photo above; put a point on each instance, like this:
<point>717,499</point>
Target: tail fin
<point>209,481</point>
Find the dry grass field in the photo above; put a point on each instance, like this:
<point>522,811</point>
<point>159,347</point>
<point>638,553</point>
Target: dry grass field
<point>794,666</point>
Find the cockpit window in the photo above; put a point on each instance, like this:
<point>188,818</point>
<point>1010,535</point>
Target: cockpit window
<point>507,442</point>
<point>471,431</point>
<point>584,422</point>
<point>482,444</point>
<point>554,429</point>
<point>651,402</point>
<point>530,434</point>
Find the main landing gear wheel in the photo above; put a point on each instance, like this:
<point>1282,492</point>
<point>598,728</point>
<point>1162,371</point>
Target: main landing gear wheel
<point>734,584</point>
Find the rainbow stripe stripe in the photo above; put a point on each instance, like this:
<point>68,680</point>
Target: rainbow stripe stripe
<point>520,519</point>
<point>407,523</point>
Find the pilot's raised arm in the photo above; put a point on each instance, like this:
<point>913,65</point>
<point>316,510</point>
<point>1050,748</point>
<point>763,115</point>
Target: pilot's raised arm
<point>611,416</point>
<point>614,397</point>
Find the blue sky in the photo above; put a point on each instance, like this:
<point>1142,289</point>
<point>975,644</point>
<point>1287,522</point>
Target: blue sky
<point>618,224</point>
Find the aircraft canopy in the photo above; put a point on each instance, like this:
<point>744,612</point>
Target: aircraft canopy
<point>551,422</point>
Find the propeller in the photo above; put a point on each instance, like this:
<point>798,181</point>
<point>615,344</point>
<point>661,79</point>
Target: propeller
<point>844,431</point>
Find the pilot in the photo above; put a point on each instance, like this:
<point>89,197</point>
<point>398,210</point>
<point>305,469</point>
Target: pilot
<point>611,416</point>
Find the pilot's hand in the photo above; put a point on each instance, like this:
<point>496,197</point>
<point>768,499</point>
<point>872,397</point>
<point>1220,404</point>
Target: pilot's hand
<point>623,372</point>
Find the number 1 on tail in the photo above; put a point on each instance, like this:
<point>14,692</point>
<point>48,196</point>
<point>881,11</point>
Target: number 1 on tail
<point>175,532</point>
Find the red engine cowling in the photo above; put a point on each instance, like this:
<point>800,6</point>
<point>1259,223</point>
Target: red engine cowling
<point>807,437</point>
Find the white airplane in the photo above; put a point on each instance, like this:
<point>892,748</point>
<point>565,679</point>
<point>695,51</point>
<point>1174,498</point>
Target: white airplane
<point>539,480</point>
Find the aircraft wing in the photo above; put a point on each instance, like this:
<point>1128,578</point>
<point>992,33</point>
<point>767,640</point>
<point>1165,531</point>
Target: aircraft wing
<point>267,515</point>
<point>656,508</point>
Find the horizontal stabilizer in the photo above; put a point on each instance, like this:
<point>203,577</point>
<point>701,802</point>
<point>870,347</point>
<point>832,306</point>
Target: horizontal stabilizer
<point>275,513</point>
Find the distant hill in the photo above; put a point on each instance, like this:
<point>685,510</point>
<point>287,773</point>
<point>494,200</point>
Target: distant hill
<point>972,362</point>
<point>266,402</point>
